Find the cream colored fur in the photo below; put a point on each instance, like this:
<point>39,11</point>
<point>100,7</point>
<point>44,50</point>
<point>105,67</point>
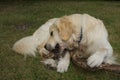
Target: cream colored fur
<point>29,44</point>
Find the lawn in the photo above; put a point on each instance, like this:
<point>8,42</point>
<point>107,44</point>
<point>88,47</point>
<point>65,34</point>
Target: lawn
<point>20,19</point>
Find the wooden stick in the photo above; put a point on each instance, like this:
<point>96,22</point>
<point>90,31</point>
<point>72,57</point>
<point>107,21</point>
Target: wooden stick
<point>81,62</point>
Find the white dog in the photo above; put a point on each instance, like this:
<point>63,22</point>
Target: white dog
<point>65,33</point>
<point>86,30</point>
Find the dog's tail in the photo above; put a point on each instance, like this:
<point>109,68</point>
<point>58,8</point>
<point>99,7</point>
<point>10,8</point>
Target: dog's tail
<point>26,46</point>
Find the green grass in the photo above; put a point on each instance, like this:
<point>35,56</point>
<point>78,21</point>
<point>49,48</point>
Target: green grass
<point>32,15</point>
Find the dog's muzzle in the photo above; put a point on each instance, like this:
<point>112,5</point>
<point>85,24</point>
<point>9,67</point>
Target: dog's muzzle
<point>57,49</point>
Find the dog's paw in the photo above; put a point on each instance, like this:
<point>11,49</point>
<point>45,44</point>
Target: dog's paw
<point>62,66</point>
<point>95,60</point>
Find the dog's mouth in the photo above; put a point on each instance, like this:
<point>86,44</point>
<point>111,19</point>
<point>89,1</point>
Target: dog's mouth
<point>57,51</point>
<point>59,48</point>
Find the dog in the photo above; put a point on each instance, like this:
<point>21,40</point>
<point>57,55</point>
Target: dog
<point>79,31</point>
<point>59,36</point>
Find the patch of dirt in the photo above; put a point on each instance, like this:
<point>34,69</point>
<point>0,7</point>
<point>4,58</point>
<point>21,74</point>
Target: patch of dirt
<point>23,26</point>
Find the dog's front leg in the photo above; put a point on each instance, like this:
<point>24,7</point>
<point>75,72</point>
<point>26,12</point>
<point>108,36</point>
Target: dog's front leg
<point>99,57</point>
<point>63,63</point>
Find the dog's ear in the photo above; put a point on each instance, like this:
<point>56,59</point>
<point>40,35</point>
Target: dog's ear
<point>65,28</point>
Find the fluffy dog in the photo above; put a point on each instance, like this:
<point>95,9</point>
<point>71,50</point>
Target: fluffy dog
<point>73,31</point>
<point>61,35</point>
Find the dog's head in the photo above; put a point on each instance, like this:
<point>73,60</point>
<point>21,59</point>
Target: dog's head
<point>61,33</point>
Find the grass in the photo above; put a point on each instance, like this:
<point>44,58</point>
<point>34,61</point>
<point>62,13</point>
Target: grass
<point>20,19</point>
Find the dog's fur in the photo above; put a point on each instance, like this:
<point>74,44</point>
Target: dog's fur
<point>66,32</point>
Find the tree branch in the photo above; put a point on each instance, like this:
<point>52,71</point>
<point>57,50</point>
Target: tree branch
<point>81,62</point>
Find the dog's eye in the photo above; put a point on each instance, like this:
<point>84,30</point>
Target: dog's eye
<point>51,33</point>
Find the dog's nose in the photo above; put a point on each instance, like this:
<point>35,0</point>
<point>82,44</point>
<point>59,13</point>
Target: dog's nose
<point>56,49</point>
<point>57,46</point>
